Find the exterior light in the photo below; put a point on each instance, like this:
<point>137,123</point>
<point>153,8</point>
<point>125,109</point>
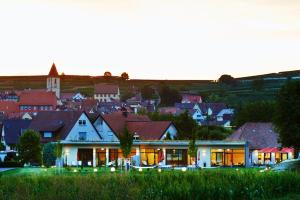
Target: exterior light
<point>183,169</point>
<point>112,169</point>
<point>75,170</point>
<point>227,149</point>
<point>158,149</point>
<point>159,170</point>
<point>102,149</point>
<point>140,169</point>
<point>95,169</point>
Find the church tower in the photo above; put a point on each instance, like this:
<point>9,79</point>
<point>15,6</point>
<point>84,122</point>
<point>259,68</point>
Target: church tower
<point>53,81</point>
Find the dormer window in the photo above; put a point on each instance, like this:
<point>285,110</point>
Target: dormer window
<point>82,122</point>
<point>47,134</point>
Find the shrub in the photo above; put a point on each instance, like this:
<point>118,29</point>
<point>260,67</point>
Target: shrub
<point>48,155</point>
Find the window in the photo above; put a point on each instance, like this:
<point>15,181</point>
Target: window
<point>47,134</point>
<point>82,122</point>
<point>82,136</point>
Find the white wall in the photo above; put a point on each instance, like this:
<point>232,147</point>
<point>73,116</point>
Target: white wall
<point>91,133</point>
<point>205,156</point>
<point>106,133</point>
<point>172,131</point>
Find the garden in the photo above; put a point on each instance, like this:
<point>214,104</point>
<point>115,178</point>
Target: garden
<point>104,183</point>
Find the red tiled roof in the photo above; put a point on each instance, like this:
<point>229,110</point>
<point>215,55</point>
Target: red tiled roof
<point>38,98</point>
<point>259,135</point>
<point>192,98</point>
<point>89,104</point>
<point>151,130</point>
<point>9,108</point>
<point>103,88</point>
<point>117,121</point>
<point>53,71</point>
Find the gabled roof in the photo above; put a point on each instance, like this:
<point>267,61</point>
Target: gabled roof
<point>53,71</point>
<point>103,88</point>
<point>149,130</point>
<point>59,122</point>
<point>215,107</point>
<point>259,135</point>
<point>117,121</point>
<point>13,129</point>
<point>38,98</point>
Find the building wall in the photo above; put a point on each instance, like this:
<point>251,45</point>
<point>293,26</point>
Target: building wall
<point>91,133</point>
<point>106,133</point>
<point>53,84</point>
<point>203,156</point>
<point>172,131</point>
<point>106,97</point>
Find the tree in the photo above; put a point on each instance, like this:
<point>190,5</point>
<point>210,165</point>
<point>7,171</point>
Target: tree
<point>58,150</point>
<point>126,95</point>
<point>48,154</point>
<point>126,141</point>
<point>29,147</point>
<point>2,146</point>
<point>214,133</point>
<point>260,111</point>
<point>147,92</point>
<point>287,115</point>
<point>185,125</point>
<point>107,75</point>
<point>192,146</point>
<point>124,76</point>
<point>227,79</point>
<point>168,95</point>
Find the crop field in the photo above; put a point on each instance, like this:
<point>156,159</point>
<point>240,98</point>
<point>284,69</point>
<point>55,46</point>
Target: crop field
<point>41,183</point>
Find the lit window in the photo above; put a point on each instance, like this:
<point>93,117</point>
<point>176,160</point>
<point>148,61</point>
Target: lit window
<point>47,134</point>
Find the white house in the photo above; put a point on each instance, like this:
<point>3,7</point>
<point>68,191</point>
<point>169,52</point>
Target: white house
<point>107,92</point>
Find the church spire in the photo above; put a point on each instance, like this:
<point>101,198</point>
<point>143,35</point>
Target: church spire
<point>53,71</point>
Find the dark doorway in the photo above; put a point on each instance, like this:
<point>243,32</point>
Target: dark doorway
<point>85,156</point>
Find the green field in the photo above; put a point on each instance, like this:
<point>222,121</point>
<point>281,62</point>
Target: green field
<point>38,183</point>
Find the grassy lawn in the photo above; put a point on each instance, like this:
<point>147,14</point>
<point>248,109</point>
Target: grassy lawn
<point>41,183</point>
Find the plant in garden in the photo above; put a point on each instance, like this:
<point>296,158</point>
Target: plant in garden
<point>126,141</point>
<point>29,147</point>
<point>49,154</point>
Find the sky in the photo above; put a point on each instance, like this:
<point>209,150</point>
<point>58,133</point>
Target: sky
<point>150,39</point>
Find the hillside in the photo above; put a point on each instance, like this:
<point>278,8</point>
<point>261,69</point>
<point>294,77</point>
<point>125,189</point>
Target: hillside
<point>242,92</point>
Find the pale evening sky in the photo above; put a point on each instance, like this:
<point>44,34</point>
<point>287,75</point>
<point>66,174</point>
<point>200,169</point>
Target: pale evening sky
<point>152,39</point>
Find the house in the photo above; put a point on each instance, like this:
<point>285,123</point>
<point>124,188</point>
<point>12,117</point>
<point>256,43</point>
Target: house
<point>53,81</point>
<point>106,92</point>
<point>9,96</point>
<point>191,98</point>
<point>12,130</point>
<point>263,143</point>
<point>37,101</point>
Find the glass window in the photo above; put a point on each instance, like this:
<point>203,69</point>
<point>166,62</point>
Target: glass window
<point>82,136</point>
<point>47,134</point>
<point>176,157</point>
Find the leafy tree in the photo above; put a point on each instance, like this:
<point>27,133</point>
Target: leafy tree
<point>185,125</point>
<point>126,95</point>
<point>107,74</point>
<point>30,149</point>
<point>192,151</point>
<point>214,133</point>
<point>124,76</point>
<point>48,154</point>
<point>287,115</point>
<point>168,95</point>
<point>227,79</point>
<point>126,141</point>
<point>258,84</point>
<point>2,146</point>
<point>58,150</point>
<point>260,111</point>
<point>147,92</point>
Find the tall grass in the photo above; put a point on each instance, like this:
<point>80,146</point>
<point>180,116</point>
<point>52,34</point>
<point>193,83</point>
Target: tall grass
<point>219,184</point>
